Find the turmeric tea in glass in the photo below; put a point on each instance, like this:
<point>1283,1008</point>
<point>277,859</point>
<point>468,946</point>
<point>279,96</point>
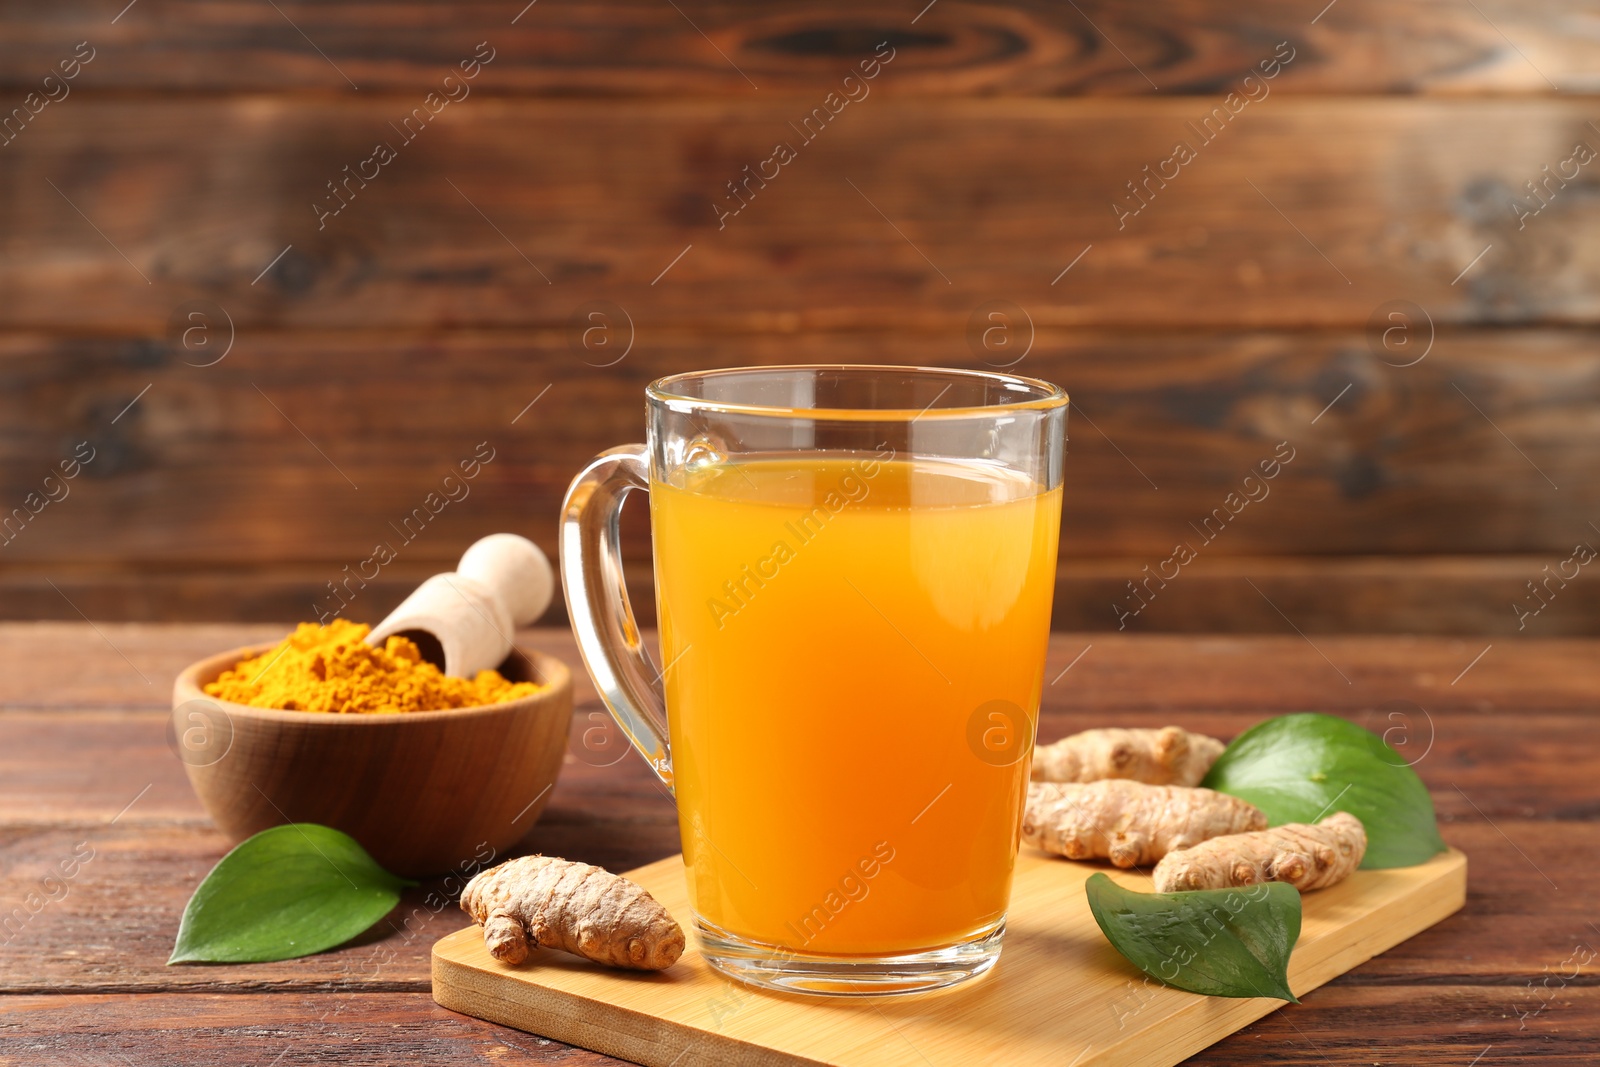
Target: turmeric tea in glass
<point>854,569</point>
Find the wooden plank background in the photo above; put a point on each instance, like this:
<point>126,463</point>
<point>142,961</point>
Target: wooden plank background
<point>1439,468</point>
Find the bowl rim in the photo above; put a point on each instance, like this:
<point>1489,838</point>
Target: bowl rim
<point>187,686</point>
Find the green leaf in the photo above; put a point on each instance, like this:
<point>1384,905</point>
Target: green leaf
<point>1220,942</point>
<point>1301,768</point>
<point>286,892</point>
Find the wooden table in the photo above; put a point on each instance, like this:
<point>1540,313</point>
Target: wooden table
<point>1505,741</point>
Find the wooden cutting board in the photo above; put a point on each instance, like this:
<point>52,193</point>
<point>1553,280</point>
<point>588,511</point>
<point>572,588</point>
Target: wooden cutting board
<point>1060,994</point>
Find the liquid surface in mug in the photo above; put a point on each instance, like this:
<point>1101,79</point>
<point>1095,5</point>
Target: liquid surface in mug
<point>855,654</point>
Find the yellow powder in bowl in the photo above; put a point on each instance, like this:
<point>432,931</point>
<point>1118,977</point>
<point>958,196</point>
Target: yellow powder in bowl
<point>332,668</point>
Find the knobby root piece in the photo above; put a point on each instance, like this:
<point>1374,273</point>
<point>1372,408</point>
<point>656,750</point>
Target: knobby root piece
<point>1129,823</point>
<point>573,907</point>
<point>1304,855</point>
<point>1168,756</point>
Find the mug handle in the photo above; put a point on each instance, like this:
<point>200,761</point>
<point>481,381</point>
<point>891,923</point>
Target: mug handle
<point>597,599</point>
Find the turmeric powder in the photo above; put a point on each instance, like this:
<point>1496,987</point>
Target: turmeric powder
<point>332,669</point>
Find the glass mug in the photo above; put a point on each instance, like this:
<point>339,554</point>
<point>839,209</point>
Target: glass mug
<point>854,569</point>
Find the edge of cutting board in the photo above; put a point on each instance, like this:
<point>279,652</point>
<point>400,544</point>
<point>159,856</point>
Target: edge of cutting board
<point>690,1015</point>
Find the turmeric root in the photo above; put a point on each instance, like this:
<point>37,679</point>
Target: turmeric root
<point>1168,756</point>
<point>1304,855</point>
<point>1129,823</point>
<point>574,907</point>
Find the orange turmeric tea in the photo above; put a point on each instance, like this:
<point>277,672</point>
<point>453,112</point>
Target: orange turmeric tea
<point>854,653</point>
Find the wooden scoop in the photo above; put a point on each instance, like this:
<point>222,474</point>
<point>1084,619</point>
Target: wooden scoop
<point>463,621</point>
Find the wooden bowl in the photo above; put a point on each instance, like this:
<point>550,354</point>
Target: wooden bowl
<point>425,792</point>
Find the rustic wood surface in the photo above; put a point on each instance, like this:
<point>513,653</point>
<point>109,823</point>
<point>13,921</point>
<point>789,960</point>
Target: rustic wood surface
<point>1504,741</point>
<point>955,48</point>
<point>1246,303</point>
<point>1424,499</point>
<point>1392,198</point>
<point>1400,457</point>
<point>1466,595</point>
